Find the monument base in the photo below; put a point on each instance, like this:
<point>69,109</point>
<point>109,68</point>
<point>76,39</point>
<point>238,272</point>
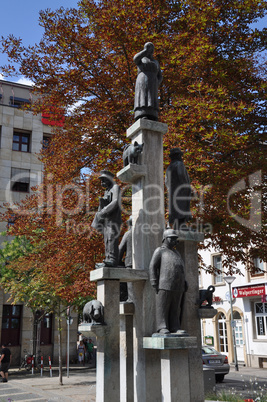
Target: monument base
<point>171,334</point>
<point>175,367</point>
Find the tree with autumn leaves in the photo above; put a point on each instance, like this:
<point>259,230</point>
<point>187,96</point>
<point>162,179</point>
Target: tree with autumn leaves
<point>213,98</point>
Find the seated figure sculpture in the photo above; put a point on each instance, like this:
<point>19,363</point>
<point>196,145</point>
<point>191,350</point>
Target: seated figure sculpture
<point>167,277</point>
<point>108,219</point>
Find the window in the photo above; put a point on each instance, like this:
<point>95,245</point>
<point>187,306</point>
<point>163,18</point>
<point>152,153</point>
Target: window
<point>11,325</point>
<point>20,180</point>
<point>200,280</point>
<point>261,320</point>
<point>11,221</point>
<point>217,264</point>
<point>257,268</point>
<point>46,329</point>
<point>46,141</point>
<point>18,102</point>
<point>21,141</point>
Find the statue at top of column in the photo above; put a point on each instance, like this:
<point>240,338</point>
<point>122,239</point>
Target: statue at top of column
<point>149,77</point>
<point>108,219</point>
<point>179,191</point>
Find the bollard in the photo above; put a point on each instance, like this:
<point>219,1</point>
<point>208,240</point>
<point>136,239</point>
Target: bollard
<point>50,368</point>
<point>32,364</point>
<point>42,365</point>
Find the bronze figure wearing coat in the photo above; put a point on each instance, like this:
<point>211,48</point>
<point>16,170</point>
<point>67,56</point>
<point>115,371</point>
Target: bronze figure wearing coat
<point>167,277</point>
<point>108,218</point>
<point>179,190</point>
<point>149,77</point>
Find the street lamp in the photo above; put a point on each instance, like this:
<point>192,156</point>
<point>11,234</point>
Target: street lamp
<point>230,280</point>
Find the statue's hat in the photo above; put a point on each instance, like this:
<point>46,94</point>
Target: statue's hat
<point>170,233</point>
<point>176,151</point>
<point>106,174</point>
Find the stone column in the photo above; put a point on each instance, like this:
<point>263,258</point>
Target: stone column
<point>108,361</point>
<point>188,248</point>
<point>175,378</point>
<point>109,358</point>
<point>148,225</point>
<point>126,352</point>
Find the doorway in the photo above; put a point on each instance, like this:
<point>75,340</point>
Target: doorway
<point>222,333</point>
<point>239,336</point>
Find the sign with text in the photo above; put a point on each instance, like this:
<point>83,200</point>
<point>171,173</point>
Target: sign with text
<point>250,291</point>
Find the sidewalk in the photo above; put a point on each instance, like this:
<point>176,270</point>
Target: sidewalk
<point>81,384</point>
<point>23,386</point>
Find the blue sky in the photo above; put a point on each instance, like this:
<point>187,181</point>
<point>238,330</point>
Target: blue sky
<point>20,18</point>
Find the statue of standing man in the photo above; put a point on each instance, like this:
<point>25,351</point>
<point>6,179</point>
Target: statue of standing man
<point>149,77</point>
<point>108,219</point>
<point>179,191</point>
<point>166,272</point>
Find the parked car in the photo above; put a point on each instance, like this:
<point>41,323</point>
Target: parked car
<point>215,360</point>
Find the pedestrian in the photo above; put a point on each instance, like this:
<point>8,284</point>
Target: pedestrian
<point>5,361</point>
<point>81,352</point>
<point>90,350</point>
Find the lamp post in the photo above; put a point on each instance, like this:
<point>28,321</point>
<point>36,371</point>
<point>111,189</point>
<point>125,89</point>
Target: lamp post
<point>230,280</point>
<point>69,322</point>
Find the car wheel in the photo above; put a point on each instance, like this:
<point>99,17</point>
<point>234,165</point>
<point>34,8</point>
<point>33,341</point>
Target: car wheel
<point>219,377</point>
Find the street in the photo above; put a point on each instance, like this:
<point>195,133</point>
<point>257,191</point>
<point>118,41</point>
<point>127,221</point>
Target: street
<point>248,383</point>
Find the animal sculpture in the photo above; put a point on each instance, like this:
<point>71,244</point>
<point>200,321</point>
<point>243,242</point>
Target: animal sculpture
<point>93,312</point>
<point>131,153</point>
<point>206,295</point>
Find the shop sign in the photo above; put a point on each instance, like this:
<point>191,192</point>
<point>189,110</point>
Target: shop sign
<point>47,119</point>
<point>249,291</point>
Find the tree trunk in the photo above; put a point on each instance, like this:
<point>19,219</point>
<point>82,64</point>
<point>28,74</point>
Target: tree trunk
<point>60,349</point>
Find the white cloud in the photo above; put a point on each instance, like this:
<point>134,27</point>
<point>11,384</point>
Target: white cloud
<point>74,106</point>
<point>25,81</point>
<point>1,77</point>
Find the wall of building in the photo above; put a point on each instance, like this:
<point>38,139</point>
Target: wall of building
<point>15,119</point>
<point>251,348</point>
<point>12,118</point>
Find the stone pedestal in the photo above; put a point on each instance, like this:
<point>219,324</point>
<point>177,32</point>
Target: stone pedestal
<point>114,364</point>
<point>126,352</point>
<point>148,225</point>
<point>207,312</point>
<point>175,370</point>
<point>108,352</point>
<point>188,248</point>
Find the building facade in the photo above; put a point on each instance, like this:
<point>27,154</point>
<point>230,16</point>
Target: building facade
<point>249,319</point>
<point>22,136</point>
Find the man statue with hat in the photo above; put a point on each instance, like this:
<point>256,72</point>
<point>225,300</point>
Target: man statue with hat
<point>166,272</point>
<point>179,190</point>
<point>108,219</point>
